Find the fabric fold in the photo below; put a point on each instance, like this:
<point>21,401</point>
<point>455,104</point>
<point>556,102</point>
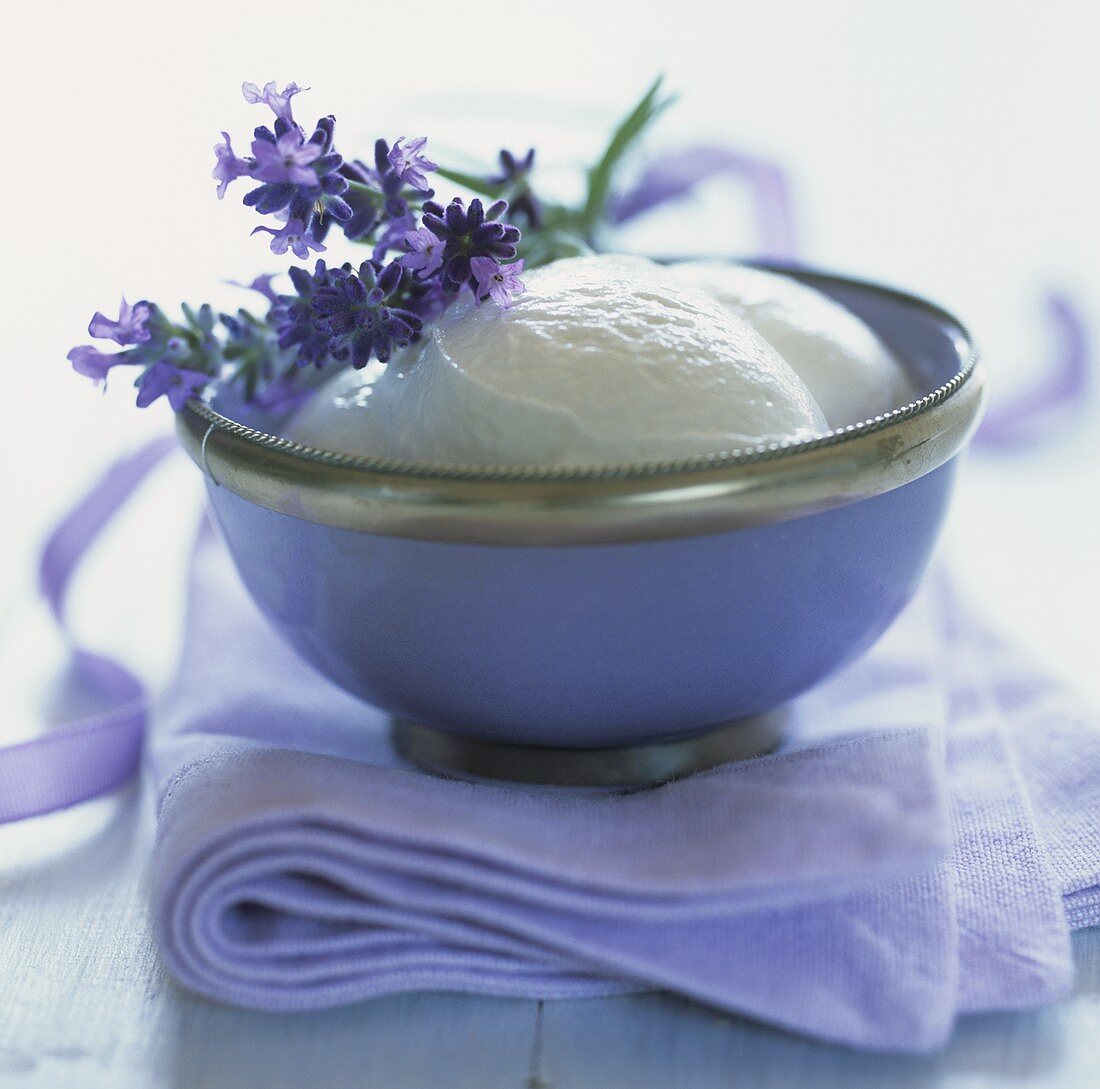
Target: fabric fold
<point>300,893</point>
<point>888,872</point>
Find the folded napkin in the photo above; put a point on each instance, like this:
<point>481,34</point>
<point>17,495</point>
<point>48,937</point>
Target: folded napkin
<point>920,849</point>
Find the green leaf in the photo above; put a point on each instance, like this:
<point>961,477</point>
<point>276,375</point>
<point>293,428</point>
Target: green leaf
<point>543,246</point>
<point>622,139</point>
<point>247,374</point>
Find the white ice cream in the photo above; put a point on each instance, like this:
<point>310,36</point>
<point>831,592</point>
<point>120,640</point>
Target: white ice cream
<point>614,359</point>
<point>850,372</point>
<point>602,360</point>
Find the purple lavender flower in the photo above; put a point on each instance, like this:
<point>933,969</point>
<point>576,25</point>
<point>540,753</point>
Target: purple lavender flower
<point>512,168</point>
<point>426,299</point>
<point>94,364</point>
<point>409,164</point>
<point>177,358</point>
<point>228,166</point>
<point>128,329</point>
<point>425,255</point>
<point>286,161</point>
<point>394,234</point>
<point>131,329</point>
<point>496,281</point>
<point>261,284</point>
<point>300,178</point>
<point>380,195</point>
<point>361,315</point>
<point>294,236</point>
<point>467,233</point>
<point>293,318</point>
<point>278,102</point>
<point>515,176</point>
<point>178,384</point>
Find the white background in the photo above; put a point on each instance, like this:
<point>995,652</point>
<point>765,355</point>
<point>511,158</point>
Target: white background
<point>949,146</point>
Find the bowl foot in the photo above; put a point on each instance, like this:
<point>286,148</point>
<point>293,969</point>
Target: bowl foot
<point>464,757</point>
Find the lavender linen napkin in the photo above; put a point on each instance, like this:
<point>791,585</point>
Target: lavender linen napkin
<point>886,874</point>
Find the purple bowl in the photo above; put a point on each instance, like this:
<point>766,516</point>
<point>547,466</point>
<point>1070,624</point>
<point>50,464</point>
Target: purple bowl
<point>510,618</point>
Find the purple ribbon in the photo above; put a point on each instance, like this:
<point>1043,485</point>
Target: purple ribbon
<point>677,174</point>
<point>97,753</point>
<point>1025,419</point>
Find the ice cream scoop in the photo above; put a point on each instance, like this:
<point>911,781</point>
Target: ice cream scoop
<point>603,360</point>
<point>852,375</point>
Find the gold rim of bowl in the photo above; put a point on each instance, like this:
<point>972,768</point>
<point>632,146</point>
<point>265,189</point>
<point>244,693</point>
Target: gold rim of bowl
<point>522,505</point>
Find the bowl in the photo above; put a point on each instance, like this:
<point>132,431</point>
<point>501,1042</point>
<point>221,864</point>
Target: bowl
<point>608,625</point>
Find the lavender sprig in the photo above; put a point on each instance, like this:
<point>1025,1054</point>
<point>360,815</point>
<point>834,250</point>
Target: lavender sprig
<point>292,317</point>
<point>410,163</point>
<point>555,230</point>
<point>424,255</point>
<point>465,234</point>
<point>361,313</point>
<point>165,379</point>
<point>301,181</point>
<point>383,196</point>
<point>178,360</point>
<point>277,101</point>
<point>496,281</point>
<point>349,314</point>
<point>514,183</point>
<point>376,204</point>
